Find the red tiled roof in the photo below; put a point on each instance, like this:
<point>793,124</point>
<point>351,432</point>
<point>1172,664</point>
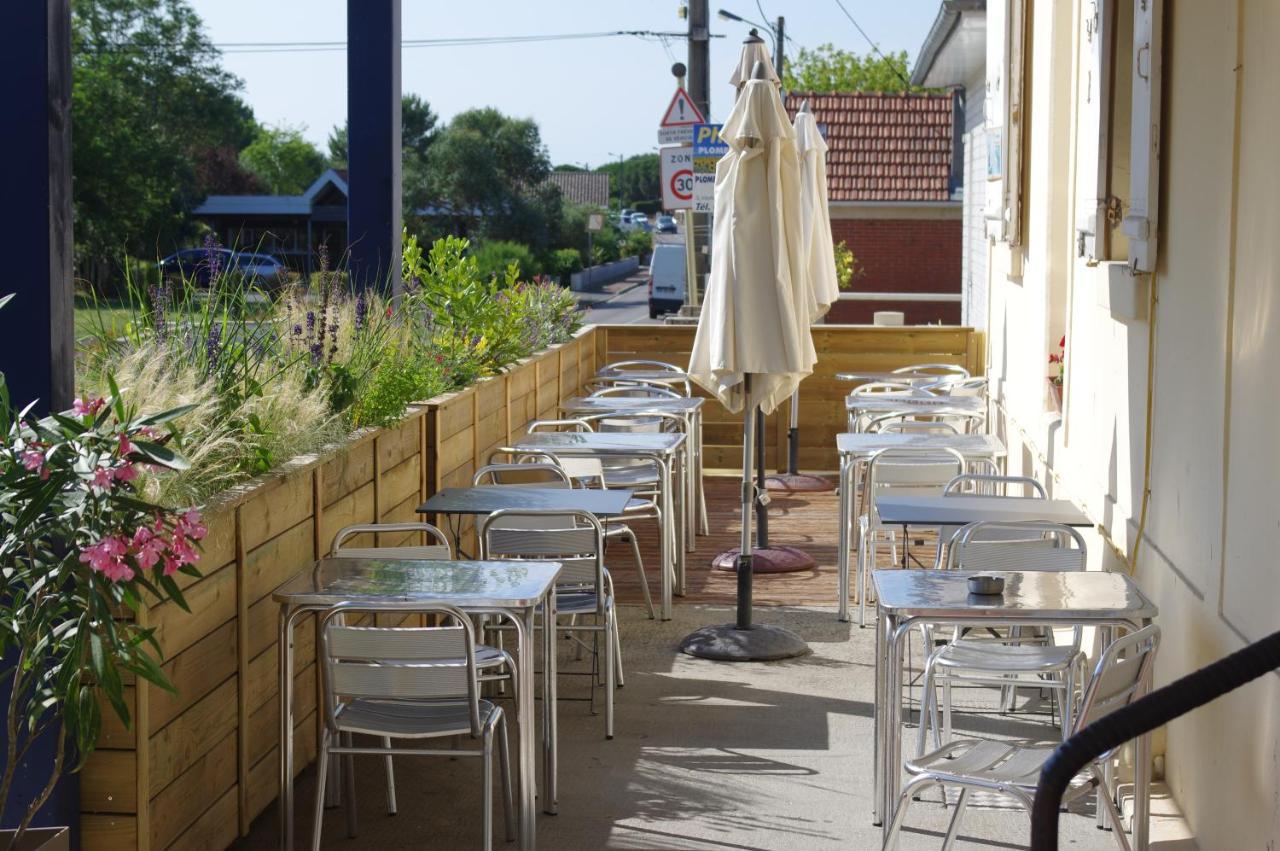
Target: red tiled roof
<point>583,187</point>
<point>884,147</point>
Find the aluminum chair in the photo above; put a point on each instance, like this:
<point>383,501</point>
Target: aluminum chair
<point>495,663</point>
<point>584,588</point>
<point>1122,675</point>
<point>415,683</point>
<point>1013,660</point>
<point>858,420</point>
<point>912,472</point>
<point>975,386</point>
<point>983,484</point>
<point>650,366</point>
<point>908,424</point>
<point>636,390</point>
<point>548,475</point>
<point>942,370</point>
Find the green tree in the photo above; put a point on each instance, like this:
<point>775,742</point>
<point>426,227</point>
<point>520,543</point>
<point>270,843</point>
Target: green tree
<point>828,69</point>
<point>487,173</point>
<point>417,131</point>
<point>283,159</point>
<point>150,100</point>
<point>636,179</point>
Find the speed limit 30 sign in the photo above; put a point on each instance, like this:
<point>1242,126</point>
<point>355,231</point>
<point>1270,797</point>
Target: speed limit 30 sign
<point>677,177</point>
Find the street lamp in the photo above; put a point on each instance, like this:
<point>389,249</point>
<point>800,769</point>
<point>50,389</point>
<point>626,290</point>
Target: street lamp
<point>777,34</point>
<point>619,156</point>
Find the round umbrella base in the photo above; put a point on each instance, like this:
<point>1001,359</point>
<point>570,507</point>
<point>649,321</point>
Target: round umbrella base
<point>798,483</point>
<point>774,559</point>
<point>727,643</point>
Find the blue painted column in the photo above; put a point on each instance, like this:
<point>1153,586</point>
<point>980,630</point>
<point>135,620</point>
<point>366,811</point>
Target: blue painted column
<point>37,338</point>
<point>373,155</point>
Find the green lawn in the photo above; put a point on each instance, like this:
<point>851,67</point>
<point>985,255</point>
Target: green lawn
<point>93,317</point>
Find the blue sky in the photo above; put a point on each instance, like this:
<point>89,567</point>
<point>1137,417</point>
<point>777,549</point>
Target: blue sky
<point>593,99</point>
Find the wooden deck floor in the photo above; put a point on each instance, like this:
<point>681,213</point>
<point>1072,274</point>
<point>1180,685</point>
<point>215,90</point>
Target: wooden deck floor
<point>808,521</point>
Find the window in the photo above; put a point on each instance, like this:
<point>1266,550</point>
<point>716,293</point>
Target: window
<point>1006,29</point>
<point>1119,130</point>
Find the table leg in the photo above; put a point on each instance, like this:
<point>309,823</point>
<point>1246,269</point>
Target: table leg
<point>698,458</point>
<point>528,759</point>
<point>1142,793</point>
<point>550,727</point>
<point>285,803</point>
<point>897,638</point>
<point>684,534</point>
<point>665,555</point>
<point>883,624</point>
<point>842,559</point>
<point>690,496</point>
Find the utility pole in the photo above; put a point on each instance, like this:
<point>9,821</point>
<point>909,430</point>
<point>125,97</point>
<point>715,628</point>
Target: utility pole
<point>699,224</point>
<point>780,40</point>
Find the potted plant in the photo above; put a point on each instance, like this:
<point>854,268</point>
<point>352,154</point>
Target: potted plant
<point>1058,363</point>
<point>79,552</point>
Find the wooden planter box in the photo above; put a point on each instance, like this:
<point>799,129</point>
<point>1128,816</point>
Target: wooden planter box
<point>199,766</point>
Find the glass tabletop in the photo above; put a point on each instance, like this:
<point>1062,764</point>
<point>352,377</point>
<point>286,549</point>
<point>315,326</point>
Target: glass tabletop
<point>962,509</point>
<point>682,405</point>
<point>601,443</point>
<point>479,584</point>
<point>969,445</point>
<point>485,499</point>
<point>889,403</point>
<point>1052,596</point>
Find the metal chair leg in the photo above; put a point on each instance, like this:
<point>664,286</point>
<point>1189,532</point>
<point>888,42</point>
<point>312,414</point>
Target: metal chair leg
<point>608,674</point>
<point>391,778</point>
<point>617,649</point>
<point>953,829</point>
<point>644,581</point>
<point>487,786</point>
<point>349,782</point>
<point>322,765</point>
<point>504,764</point>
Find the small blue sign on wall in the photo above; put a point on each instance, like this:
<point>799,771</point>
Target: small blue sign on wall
<point>707,141</point>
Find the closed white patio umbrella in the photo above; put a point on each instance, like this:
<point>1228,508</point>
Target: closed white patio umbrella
<point>819,271</point>
<point>753,346</point>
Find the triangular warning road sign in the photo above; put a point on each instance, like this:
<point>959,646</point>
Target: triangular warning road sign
<point>681,111</point>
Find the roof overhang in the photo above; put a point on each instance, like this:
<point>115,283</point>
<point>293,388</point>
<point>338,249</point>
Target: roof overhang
<point>955,51</point>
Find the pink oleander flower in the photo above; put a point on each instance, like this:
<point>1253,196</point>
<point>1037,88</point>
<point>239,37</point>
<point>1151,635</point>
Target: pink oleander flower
<point>148,432</point>
<point>33,460</point>
<point>183,551</point>
<point>82,409</point>
<point>189,525</point>
<point>126,446</point>
<point>171,565</point>
<point>107,557</point>
<point>125,473</point>
<point>102,478</point>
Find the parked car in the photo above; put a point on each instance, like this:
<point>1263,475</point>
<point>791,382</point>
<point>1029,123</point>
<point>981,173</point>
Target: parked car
<point>666,224</point>
<point>640,220</point>
<point>666,279</point>
<point>261,270</point>
<point>624,218</point>
<point>194,264</point>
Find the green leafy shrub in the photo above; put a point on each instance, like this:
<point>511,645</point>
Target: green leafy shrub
<point>565,262</point>
<point>637,243</point>
<point>847,267</point>
<point>494,256</point>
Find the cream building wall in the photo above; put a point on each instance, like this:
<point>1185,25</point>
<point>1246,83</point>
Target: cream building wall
<point>1210,550</point>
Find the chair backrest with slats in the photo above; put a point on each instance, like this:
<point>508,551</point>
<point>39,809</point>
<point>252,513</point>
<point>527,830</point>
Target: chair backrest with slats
<point>569,424</point>
<point>908,424</point>
<point>908,472</point>
<point>541,475</point>
<point>575,539</point>
<point>1030,545</point>
<point>990,484</point>
<point>636,390</point>
<point>439,547</point>
<point>432,663</point>
<point>1122,675</point>
<point>940,369</point>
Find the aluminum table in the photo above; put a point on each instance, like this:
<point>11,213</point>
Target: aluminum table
<point>486,499</point>
<point>908,598</point>
<point>652,376</point>
<point>687,407</point>
<point>896,377</point>
<point>511,590</point>
<point>962,509</point>
<point>664,450</point>
<point>892,403</point>
<point>856,447</point>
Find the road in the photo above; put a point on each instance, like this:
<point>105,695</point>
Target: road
<point>626,304</point>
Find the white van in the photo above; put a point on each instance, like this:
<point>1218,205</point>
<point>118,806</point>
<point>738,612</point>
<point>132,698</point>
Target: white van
<point>666,279</point>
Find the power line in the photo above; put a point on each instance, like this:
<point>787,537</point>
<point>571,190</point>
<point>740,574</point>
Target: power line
<point>874,47</point>
<point>244,47</point>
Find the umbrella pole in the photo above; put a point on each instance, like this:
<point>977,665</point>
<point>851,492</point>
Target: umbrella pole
<point>762,506</point>
<point>744,641</point>
<point>793,436</point>
<point>750,438</point>
<point>794,481</point>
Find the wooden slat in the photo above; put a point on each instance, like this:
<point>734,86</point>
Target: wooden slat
<point>262,679</point>
<point>264,722</point>
<point>181,802</point>
<point>190,736</point>
<point>346,471</point>
<point>107,782</point>
<point>276,507</point>
<point>108,832</point>
<point>212,601</point>
<point>264,777</point>
<point>267,566</point>
<point>214,830</point>
<point>355,507</point>
<point>399,483</point>
<point>194,673</point>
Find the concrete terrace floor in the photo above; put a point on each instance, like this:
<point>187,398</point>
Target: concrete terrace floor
<point>711,755</point>
<point>706,756</point>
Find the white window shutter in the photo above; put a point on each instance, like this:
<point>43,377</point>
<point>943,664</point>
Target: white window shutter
<point>1015,36</point>
<point>1140,223</point>
<point>994,118</point>
<point>1092,133</point>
